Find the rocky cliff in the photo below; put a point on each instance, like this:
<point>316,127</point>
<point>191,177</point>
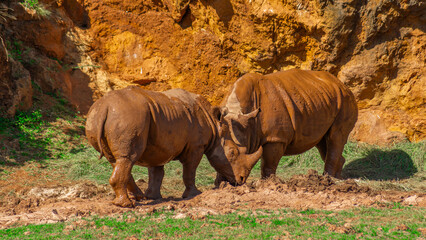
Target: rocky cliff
<point>85,48</point>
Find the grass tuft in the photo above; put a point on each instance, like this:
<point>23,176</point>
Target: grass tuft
<point>38,7</point>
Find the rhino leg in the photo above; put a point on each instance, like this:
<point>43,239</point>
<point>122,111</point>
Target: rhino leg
<point>119,180</point>
<point>322,148</point>
<point>190,165</point>
<point>155,179</point>
<point>329,169</point>
<point>339,170</point>
<point>272,153</point>
<point>334,160</point>
<point>219,179</point>
<point>133,191</point>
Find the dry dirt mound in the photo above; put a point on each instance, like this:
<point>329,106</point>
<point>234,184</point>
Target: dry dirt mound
<point>28,201</point>
<point>313,182</point>
<point>310,191</point>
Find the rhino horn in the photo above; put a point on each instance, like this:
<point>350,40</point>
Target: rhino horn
<point>234,138</point>
<point>252,159</point>
<point>252,114</point>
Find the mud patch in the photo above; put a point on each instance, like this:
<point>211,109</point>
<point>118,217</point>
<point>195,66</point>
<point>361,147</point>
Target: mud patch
<point>309,191</point>
<point>83,191</point>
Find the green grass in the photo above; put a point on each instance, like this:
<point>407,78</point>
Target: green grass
<point>54,137</point>
<point>85,165</point>
<point>365,223</point>
<point>399,167</point>
<point>42,135</point>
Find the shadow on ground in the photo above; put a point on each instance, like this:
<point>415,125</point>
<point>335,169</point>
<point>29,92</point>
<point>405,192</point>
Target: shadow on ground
<point>381,165</point>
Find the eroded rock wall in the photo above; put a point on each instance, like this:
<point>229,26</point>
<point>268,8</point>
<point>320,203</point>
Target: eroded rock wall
<point>377,48</point>
<point>15,83</point>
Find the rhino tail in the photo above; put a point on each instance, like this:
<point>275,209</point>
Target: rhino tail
<point>103,116</point>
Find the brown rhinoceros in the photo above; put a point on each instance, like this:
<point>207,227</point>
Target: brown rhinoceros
<point>146,128</point>
<point>286,113</point>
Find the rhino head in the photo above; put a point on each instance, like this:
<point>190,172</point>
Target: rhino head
<point>234,144</point>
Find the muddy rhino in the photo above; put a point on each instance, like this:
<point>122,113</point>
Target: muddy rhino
<point>286,113</point>
<point>146,128</point>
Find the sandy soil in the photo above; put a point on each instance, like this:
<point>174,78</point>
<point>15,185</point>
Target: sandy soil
<point>311,191</point>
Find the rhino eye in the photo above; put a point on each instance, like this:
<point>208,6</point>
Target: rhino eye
<point>231,152</point>
<point>234,152</point>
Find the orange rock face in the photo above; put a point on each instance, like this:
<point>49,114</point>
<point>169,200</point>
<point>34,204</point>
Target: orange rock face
<point>377,48</point>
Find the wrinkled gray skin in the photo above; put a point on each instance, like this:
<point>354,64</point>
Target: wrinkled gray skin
<point>286,113</point>
<point>135,126</point>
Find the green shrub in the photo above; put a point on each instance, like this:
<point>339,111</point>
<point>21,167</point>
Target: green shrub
<point>37,7</point>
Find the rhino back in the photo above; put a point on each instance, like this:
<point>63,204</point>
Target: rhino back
<point>147,124</point>
<point>297,106</point>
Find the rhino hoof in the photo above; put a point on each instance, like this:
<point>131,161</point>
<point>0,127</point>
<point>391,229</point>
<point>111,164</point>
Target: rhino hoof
<point>191,193</point>
<point>219,180</point>
<point>137,197</point>
<point>126,203</point>
<point>153,196</point>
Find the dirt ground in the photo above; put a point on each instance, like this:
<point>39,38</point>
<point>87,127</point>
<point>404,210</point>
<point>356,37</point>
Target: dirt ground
<point>311,191</point>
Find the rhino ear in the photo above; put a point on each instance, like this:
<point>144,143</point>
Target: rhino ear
<point>216,113</point>
<point>224,111</point>
<point>252,114</point>
<point>219,112</point>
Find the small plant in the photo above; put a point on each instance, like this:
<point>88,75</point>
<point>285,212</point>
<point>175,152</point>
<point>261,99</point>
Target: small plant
<point>37,7</point>
<point>29,126</point>
<point>20,53</point>
<point>29,120</point>
<point>15,50</point>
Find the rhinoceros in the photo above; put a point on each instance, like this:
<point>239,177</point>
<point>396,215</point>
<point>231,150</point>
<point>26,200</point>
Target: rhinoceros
<point>286,113</point>
<point>136,126</point>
